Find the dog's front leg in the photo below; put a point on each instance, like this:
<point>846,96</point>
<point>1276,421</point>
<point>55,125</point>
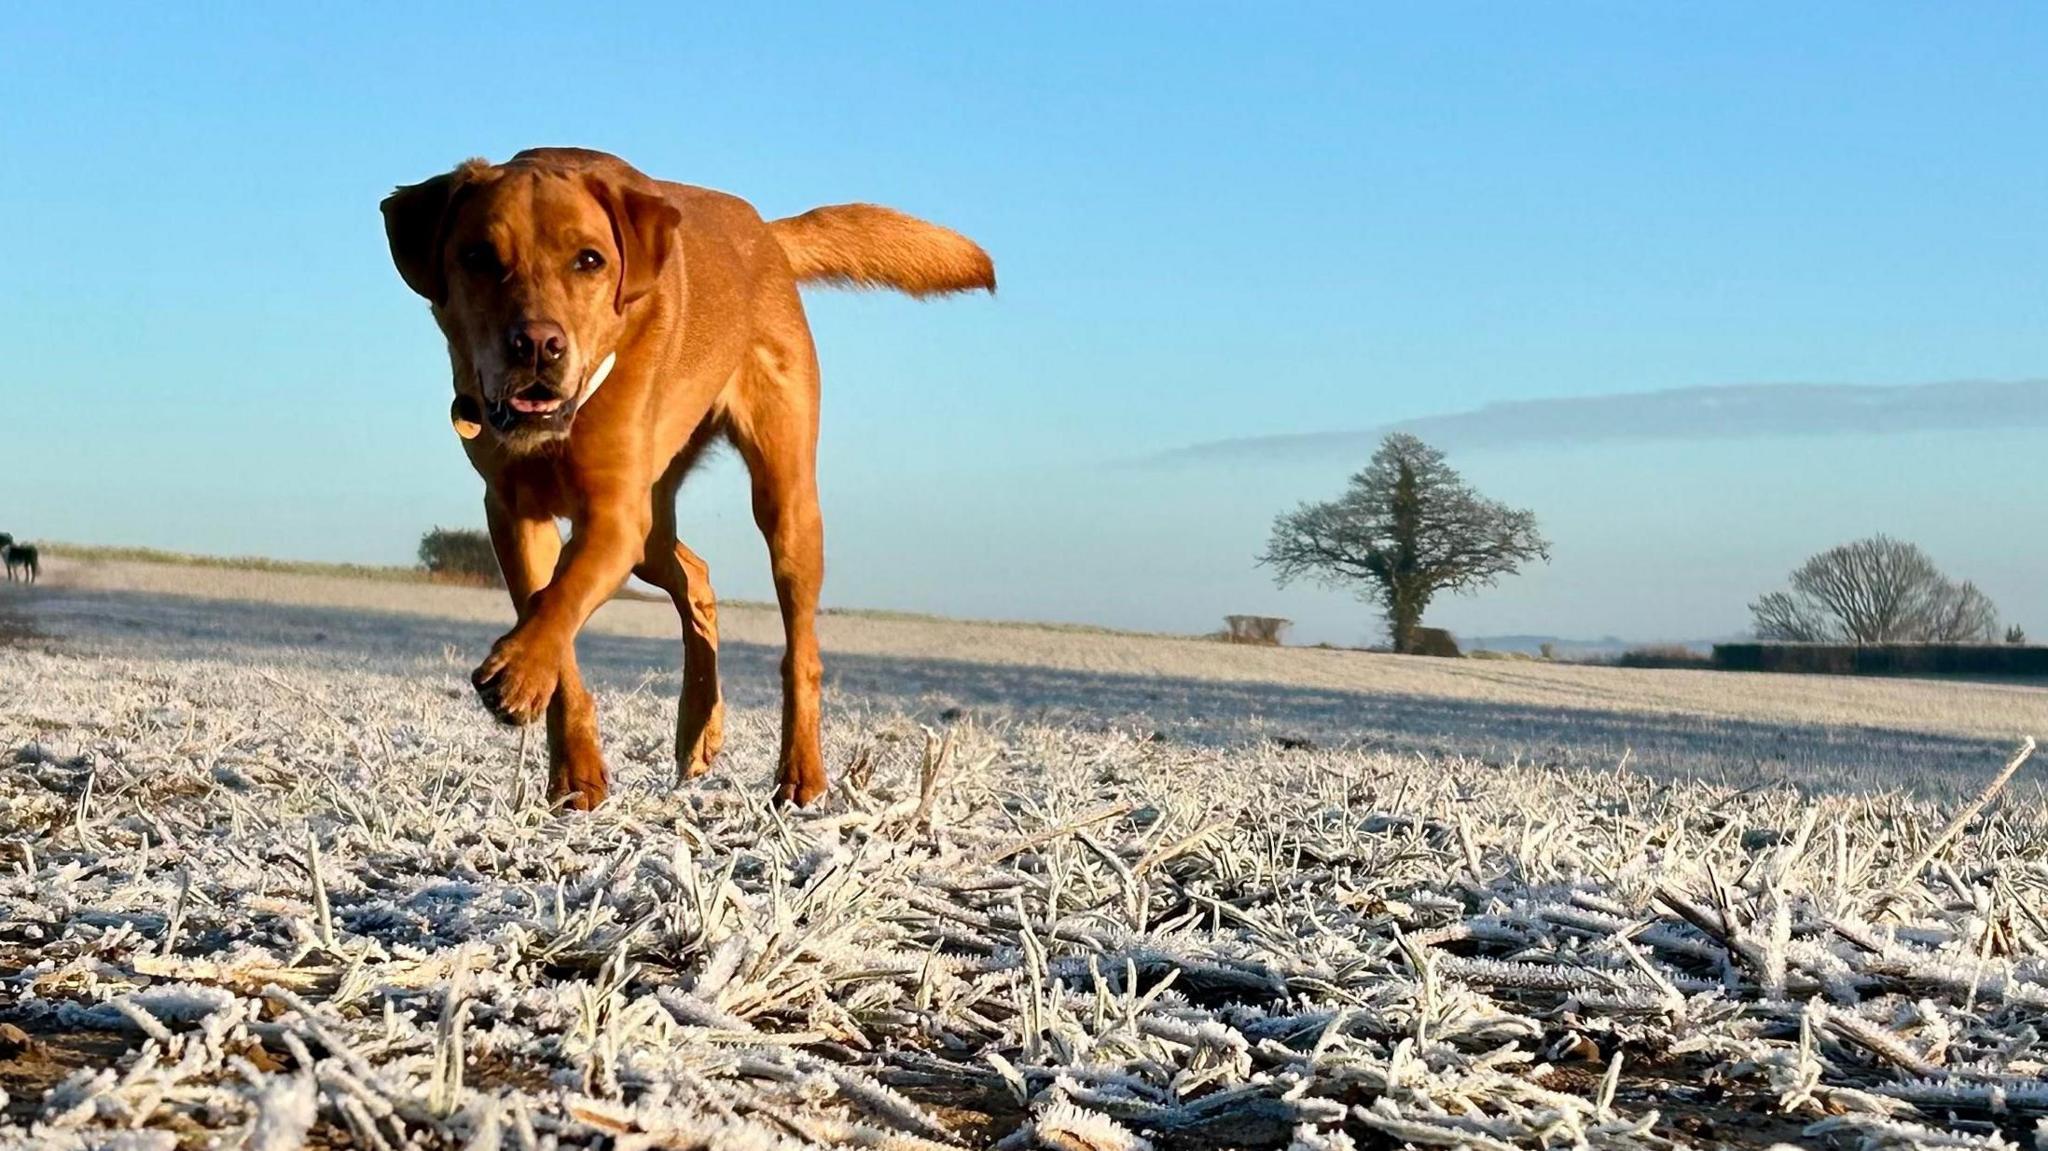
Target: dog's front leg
<point>520,676</point>
<point>528,548</point>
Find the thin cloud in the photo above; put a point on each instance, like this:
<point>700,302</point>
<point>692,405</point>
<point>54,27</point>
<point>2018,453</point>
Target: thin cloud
<point>1733,412</point>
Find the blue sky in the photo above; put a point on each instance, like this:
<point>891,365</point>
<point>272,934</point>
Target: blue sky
<point>1210,222</point>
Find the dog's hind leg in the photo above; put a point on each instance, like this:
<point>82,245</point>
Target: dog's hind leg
<point>528,550</point>
<point>774,423</point>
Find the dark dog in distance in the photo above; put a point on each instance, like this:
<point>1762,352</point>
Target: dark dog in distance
<point>21,558</point>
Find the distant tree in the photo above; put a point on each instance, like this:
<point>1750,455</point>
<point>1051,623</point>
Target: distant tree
<point>1406,528</point>
<point>1876,590</point>
<point>462,554</point>
<point>1961,613</point>
<point>2014,635</point>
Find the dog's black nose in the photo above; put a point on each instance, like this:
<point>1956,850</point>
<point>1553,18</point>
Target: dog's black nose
<point>536,342</point>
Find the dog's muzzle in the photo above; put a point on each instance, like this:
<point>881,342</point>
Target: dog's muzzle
<point>534,407</point>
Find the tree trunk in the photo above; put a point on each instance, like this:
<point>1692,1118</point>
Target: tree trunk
<point>1405,599</point>
<point>1404,616</point>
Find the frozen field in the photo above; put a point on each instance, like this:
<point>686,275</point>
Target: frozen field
<point>268,877</point>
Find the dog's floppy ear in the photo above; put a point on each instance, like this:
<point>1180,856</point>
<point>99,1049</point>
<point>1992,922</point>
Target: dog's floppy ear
<point>414,218</point>
<point>644,228</point>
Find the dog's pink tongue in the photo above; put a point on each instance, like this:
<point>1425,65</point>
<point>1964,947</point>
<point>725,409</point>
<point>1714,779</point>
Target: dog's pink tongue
<point>522,404</point>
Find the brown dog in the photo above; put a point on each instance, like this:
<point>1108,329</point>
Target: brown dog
<point>563,270</point>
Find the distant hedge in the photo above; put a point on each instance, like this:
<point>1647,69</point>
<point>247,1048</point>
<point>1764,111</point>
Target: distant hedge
<point>1884,659</point>
<point>1663,656</point>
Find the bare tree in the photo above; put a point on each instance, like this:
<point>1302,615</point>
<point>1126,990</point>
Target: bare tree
<point>1406,528</point>
<point>1875,590</point>
<point>1960,613</point>
<point>1790,618</point>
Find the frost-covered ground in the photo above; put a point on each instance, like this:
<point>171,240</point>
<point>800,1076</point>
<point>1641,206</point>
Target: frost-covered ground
<point>268,877</point>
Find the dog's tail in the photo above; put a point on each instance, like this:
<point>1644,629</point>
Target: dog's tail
<point>869,246</point>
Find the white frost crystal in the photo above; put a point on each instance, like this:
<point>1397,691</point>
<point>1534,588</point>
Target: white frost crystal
<point>1098,941</point>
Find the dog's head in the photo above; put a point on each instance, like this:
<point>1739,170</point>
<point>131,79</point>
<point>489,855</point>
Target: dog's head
<point>531,269</point>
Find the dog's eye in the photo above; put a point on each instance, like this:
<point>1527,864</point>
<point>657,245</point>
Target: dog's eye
<point>588,260</point>
<point>481,259</point>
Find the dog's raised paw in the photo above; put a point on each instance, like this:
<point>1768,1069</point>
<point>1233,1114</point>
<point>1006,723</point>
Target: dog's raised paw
<point>515,684</point>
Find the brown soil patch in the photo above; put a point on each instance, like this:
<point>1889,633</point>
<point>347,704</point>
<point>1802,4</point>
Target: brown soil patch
<point>32,1062</point>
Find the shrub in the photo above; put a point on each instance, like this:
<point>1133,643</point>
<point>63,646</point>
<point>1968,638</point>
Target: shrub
<point>1259,629</point>
<point>460,555</point>
<point>1436,641</point>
